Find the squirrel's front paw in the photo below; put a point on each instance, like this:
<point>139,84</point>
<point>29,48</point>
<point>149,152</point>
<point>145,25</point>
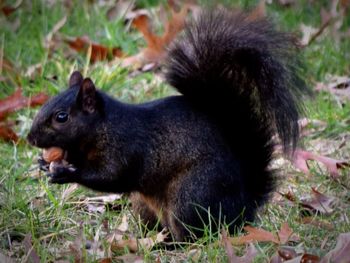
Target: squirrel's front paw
<point>62,173</point>
<point>43,165</point>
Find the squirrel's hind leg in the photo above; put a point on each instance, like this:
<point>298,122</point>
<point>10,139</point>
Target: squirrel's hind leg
<point>141,209</point>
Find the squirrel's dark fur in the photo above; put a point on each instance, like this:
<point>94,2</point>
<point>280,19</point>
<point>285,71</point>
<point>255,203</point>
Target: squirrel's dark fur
<point>182,157</point>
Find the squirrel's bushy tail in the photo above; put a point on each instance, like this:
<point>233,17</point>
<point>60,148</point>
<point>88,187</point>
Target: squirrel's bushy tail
<point>243,73</point>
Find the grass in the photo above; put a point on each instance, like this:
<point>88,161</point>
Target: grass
<point>52,216</point>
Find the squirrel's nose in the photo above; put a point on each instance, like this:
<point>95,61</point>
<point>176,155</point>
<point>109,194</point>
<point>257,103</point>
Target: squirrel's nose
<point>31,139</point>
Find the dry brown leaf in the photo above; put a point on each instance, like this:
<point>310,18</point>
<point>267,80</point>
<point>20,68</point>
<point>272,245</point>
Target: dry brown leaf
<point>119,232</point>
<point>259,11</point>
<point>337,85</point>
<point>99,203</point>
<point>67,192</point>
<point>341,252</point>
<point>105,198</point>
<point>305,258</point>
<point>33,71</point>
<point>228,246</point>
<point>248,257</point>
<point>6,259</point>
<point>286,234</point>
<point>13,103</point>
<point>301,157</point>
<point>49,39</point>
<point>260,235</point>
<point>7,134</point>
<point>133,244</point>
<point>8,10</point>
<point>30,251</point>
<point>310,34</point>
<point>75,248</point>
<point>319,202</point>
<point>7,66</point>
<point>344,4</point>
<point>287,253</point>
<point>120,9</point>
<point>17,101</point>
<point>318,223</point>
<point>156,45</point>
<point>254,234</point>
<point>317,125</point>
<point>130,258</point>
<point>98,52</point>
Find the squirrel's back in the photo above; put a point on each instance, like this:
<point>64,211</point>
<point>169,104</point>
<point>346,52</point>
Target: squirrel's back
<point>243,74</point>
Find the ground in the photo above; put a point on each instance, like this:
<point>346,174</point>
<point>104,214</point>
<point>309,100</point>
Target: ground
<point>68,222</point>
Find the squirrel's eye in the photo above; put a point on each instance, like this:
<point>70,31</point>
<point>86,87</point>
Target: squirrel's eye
<point>61,116</point>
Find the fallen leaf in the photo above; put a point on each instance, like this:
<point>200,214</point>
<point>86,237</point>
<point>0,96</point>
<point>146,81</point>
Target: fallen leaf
<point>310,34</point>
<point>287,253</point>
<point>105,198</point>
<point>337,85</point>
<point>33,71</point>
<point>301,157</point>
<point>155,50</point>
<point>99,203</point>
<point>119,9</point>
<point>254,234</point>
<point>75,248</point>
<point>345,4</point>
<point>341,252</point>
<point>290,255</point>
<point>318,223</point>
<point>260,235</point>
<point>67,192</point>
<point>133,244</point>
<point>30,251</point>
<point>316,125</point>
<point>6,259</point>
<point>8,71</point>
<point>51,38</point>
<point>248,257</point>
<point>17,101</point>
<point>228,246</point>
<point>319,202</point>
<point>98,52</point>
<point>130,258</point>
<point>13,103</point>
<point>7,134</point>
<point>8,10</point>
<point>304,258</point>
<point>286,234</point>
<point>290,196</point>
<point>286,2</point>
<point>96,208</point>
<point>194,255</point>
<point>258,12</point>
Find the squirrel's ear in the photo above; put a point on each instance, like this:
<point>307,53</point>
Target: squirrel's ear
<point>87,96</point>
<point>75,79</point>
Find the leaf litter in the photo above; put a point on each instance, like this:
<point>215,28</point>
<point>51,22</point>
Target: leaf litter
<point>284,235</point>
<point>13,103</point>
<point>122,231</point>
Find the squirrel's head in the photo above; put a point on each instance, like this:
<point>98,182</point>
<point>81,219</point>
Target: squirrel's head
<point>68,117</point>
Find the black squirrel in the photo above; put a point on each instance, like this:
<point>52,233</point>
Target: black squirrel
<point>206,150</point>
